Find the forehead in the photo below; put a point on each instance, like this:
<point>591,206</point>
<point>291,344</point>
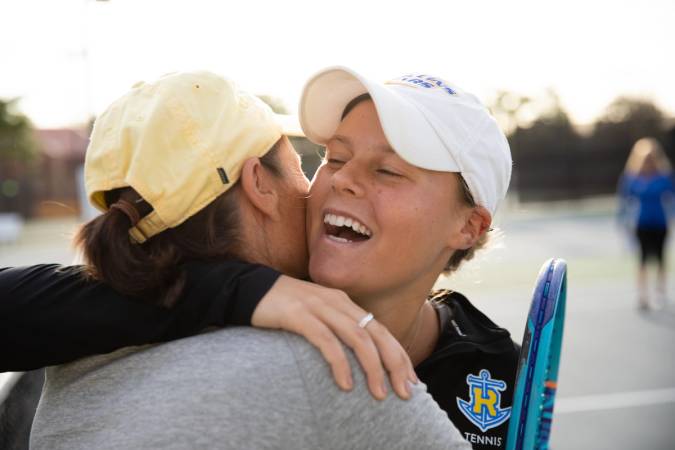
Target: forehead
<point>361,127</point>
<point>352,142</point>
<point>360,131</point>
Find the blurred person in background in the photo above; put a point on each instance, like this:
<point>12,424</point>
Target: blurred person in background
<point>646,196</point>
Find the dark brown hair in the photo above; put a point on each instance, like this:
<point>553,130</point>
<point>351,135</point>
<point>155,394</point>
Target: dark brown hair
<point>152,272</point>
<point>352,104</point>
<point>465,198</point>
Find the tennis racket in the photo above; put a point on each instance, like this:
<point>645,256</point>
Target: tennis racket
<point>536,381</point>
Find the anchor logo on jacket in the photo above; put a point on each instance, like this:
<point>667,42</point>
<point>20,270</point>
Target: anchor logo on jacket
<point>483,408</point>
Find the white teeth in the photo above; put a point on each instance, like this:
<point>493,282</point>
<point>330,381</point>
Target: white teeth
<point>341,221</point>
<point>338,239</point>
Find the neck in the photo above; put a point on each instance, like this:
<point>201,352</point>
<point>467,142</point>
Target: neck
<point>253,233</point>
<point>408,317</point>
<point>398,317</point>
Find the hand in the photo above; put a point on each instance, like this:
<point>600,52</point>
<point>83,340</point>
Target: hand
<point>325,316</point>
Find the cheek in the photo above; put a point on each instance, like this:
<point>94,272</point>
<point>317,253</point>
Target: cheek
<point>293,209</point>
<point>317,194</point>
<point>421,224</point>
<point>320,180</point>
<point>304,182</point>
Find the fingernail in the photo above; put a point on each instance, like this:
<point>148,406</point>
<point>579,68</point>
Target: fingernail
<point>383,390</point>
<point>408,390</point>
<point>348,383</point>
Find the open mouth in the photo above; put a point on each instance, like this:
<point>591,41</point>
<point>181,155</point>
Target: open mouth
<point>345,229</point>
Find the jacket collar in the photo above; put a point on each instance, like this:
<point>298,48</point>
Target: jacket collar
<point>464,328</point>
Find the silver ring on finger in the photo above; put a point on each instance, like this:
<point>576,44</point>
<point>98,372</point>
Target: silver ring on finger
<point>366,320</point>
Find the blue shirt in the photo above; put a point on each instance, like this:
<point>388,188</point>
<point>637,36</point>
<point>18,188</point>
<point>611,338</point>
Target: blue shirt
<point>651,193</point>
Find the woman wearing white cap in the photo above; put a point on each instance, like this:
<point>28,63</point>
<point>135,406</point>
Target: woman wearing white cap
<point>413,174</point>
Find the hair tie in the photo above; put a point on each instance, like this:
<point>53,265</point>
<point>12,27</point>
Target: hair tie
<point>128,209</point>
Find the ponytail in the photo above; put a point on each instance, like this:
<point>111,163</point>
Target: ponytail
<point>152,271</point>
<point>148,272</point>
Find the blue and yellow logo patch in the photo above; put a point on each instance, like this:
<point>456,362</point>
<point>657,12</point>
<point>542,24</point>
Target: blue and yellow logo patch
<point>485,395</point>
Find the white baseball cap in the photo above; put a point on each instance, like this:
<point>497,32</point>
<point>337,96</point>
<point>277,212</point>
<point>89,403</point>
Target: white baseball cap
<point>429,122</point>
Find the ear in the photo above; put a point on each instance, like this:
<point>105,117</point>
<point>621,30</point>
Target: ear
<point>476,223</point>
<point>260,189</point>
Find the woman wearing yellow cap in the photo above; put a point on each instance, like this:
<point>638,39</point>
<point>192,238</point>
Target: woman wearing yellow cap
<point>176,166</point>
<point>414,171</point>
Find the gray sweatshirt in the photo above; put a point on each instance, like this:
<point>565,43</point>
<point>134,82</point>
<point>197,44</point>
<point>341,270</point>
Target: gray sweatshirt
<point>237,388</point>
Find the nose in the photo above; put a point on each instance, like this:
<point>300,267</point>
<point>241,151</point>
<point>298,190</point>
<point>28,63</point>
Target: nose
<point>345,181</point>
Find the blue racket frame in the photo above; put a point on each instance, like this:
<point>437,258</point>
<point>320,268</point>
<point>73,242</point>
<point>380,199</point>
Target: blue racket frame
<point>537,378</point>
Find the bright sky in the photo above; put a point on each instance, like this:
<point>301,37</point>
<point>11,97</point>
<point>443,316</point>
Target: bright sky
<point>589,51</point>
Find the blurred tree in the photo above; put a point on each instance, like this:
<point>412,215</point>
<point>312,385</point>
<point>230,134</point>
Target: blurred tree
<point>277,104</point>
<point>552,160</point>
<point>16,134</point>
<point>18,151</point>
<point>544,153</point>
<point>551,132</point>
<point>624,121</point>
<point>628,109</point>
<point>507,109</point>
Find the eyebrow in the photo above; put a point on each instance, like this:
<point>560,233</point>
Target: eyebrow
<point>348,142</point>
<point>342,139</point>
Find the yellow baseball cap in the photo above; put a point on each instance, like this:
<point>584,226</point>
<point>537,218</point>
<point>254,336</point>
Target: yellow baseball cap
<point>180,142</point>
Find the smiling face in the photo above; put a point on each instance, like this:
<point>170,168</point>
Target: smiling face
<point>378,226</point>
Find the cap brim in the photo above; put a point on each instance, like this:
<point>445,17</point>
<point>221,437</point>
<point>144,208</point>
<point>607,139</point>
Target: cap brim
<point>405,125</point>
<point>290,125</point>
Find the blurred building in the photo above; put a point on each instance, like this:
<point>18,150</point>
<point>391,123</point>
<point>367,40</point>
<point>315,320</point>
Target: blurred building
<point>61,157</point>
<point>47,184</point>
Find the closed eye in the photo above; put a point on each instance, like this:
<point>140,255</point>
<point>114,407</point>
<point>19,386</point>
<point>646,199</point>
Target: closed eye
<point>389,173</point>
<point>334,161</point>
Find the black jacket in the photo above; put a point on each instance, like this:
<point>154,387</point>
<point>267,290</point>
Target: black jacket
<point>472,370</point>
<point>51,315</point>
